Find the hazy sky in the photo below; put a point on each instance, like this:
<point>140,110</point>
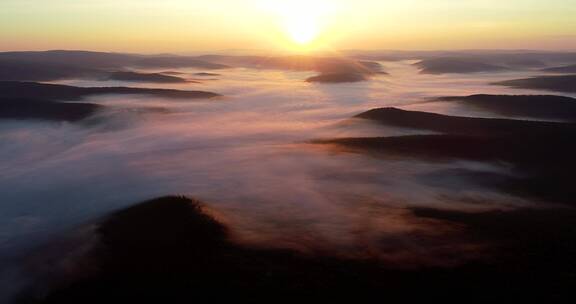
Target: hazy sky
<point>189,25</point>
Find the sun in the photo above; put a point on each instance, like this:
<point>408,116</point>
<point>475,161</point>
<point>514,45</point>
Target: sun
<point>302,21</point>
<point>301,29</point>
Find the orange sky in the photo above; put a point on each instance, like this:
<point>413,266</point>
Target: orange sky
<point>184,25</point>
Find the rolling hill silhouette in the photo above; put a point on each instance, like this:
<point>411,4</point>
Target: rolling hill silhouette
<point>534,106</point>
<point>170,249</point>
<point>146,77</point>
<point>564,83</point>
<point>12,89</point>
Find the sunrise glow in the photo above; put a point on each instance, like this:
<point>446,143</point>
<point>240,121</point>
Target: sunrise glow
<point>177,25</point>
<point>301,21</point>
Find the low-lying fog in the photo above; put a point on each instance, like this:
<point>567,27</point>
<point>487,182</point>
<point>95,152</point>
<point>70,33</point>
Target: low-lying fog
<point>247,154</point>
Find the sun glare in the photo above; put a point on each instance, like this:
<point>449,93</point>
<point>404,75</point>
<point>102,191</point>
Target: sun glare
<point>302,21</point>
<point>302,29</point>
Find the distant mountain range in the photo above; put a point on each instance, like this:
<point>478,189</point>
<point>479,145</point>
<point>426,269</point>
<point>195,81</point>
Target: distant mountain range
<point>57,65</point>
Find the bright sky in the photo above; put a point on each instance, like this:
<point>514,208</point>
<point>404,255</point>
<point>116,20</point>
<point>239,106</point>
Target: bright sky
<point>192,25</point>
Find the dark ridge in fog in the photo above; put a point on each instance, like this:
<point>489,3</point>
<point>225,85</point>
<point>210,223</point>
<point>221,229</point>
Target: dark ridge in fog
<point>513,59</point>
<point>102,60</point>
<point>18,108</point>
<point>512,149</point>
<point>207,74</point>
<point>86,59</point>
<point>456,65</point>
<point>57,65</point>
<point>172,73</point>
<point>523,227</point>
<point>569,69</point>
<point>541,154</point>
<point>338,78</point>
<point>300,63</point>
<point>451,179</point>
<point>544,164</point>
<point>170,250</point>
<point>464,125</point>
<point>477,62</point>
<point>565,83</point>
<point>31,71</point>
<point>11,89</point>
<point>29,100</point>
<point>146,77</point>
<point>176,62</point>
<point>534,106</point>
